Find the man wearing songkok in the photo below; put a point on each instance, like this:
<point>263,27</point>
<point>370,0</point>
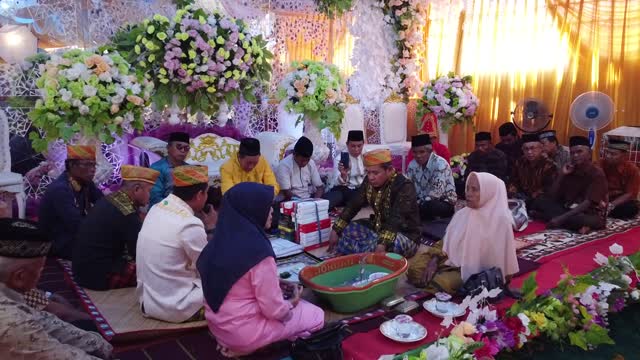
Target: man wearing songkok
<point>28,333</point>
<point>486,158</point>
<point>433,180</point>
<point>623,178</point>
<point>68,199</point>
<point>348,179</point>
<point>247,165</point>
<point>105,248</point>
<point>395,223</point>
<point>173,234</point>
<point>298,174</point>
<point>553,150</point>
<point>177,151</point>
<point>578,198</point>
<point>509,144</point>
<point>430,127</point>
<point>533,174</point>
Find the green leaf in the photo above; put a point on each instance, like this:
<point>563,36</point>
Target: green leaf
<point>529,288</point>
<point>578,339</point>
<point>597,335</point>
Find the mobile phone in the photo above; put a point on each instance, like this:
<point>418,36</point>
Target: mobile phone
<point>344,159</point>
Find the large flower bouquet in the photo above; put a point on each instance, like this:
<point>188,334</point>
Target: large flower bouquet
<point>407,18</point>
<point>315,90</point>
<point>450,97</point>
<point>201,58</point>
<point>94,95</point>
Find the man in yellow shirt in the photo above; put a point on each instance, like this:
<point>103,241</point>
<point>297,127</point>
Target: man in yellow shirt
<point>247,166</point>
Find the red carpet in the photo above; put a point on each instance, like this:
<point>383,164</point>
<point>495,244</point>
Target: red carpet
<point>372,344</point>
<point>534,227</point>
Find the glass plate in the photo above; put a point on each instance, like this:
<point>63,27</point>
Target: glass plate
<point>453,309</point>
<point>389,329</point>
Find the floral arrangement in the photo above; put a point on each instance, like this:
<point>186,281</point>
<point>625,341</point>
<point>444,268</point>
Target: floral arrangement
<point>454,347</point>
<point>407,18</point>
<point>575,311</point>
<point>331,8</point>
<point>201,59</point>
<point>94,95</point>
<point>459,165</point>
<point>450,97</point>
<point>315,90</point>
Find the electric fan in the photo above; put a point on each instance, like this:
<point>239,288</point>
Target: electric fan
<point>591,112</point>
<point>531,115</point>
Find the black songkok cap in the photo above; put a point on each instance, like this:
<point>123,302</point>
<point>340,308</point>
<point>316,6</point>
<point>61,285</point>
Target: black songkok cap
<point>483,136</point>
<point>619,145</point>
<point>22,239</point>
<point>530,138</point>
<point>304,147</point>
<point>507,129</point>
<point>249,147</point>
<point>355,135</point>
<point>179,136</point>
<point>420,140</point>
<point>548,134</point>
<point>579,141</point>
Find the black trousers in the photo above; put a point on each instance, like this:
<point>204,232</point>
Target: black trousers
<point>626,210</point>
<point>546,209</point>
<point>339,196</point>
<point>436,209</point>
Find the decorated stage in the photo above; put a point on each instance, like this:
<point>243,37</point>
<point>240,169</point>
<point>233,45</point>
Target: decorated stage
<point>548,252</point>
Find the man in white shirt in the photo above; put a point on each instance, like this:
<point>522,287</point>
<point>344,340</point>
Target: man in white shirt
<point>172,236</point>
<point>347,178</point>
<point>297,174</point>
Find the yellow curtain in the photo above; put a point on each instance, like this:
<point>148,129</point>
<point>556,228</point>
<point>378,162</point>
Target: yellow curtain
<point>553,50</point>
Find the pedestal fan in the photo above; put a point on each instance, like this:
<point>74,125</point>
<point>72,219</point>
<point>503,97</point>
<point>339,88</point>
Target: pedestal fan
<point>591,112</point>
<point>531,115</point>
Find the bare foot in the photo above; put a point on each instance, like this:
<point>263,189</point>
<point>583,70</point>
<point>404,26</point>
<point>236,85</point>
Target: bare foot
<point>584,230</point>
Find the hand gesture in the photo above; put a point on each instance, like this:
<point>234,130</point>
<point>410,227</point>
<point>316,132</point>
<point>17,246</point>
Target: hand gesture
<point>333,241</point>
<point>344,172</point>
<point>209,217</point>
<point>567,169</point>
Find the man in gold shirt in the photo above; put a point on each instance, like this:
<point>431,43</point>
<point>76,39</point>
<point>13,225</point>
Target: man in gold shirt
<point>247,165</point>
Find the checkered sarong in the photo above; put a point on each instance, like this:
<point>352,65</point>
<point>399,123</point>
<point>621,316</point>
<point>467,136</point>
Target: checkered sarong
<point>358,238</point>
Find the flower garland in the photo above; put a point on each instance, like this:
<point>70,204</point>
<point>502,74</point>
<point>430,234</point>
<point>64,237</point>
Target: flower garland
<point>450,98</point>
<point>315,89</point>
<point>88,93</point>
<point>202,59</point>
<point>333,8</point>
<point>576,310</point>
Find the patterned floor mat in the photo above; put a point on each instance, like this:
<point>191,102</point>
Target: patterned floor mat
<point>552,241</point>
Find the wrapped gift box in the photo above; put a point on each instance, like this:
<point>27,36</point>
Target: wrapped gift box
<point>304,207</point>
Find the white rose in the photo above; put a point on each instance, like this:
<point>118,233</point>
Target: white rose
<point>84,109</point>
<point>76,103</point>
<point>89,91</point>
<point>616,249</point>
<point>635,295</point>
<point>105,76</point>
<point>601,259</point>
<point>135,89</point>
<point>65,95</point>
<point>437,352</point>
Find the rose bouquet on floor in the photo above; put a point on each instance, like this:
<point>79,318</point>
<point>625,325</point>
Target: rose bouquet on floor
<point>315,90</point>
<point>450,97</point>
<point>197,59</point>
<point>94,95</point>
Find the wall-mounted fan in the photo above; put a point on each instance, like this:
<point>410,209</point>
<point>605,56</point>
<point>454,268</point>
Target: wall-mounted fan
<point>531,115</point>
<point>591,112</point>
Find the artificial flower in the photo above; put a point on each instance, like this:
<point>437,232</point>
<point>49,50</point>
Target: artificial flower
<point>616,249</point>
<point>600,259</point>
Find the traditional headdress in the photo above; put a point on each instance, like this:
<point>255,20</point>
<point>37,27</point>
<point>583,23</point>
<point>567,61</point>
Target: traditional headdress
<point>355,135</point>
<point>377,157</point>
<point>303,147</point>
<point>483,136</point>
<point>179,136</point>
<point>188,175</point>
<point>249,147</point>
<point>420,140</point>
<point>81,152</point>
<point>139,173</point>
<point>579,141</point>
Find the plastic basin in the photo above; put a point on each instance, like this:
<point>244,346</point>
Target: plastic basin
<point>326,279</point>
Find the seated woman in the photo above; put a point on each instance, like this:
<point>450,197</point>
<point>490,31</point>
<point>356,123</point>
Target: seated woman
<point>478,238</point>
<point>245,306</point>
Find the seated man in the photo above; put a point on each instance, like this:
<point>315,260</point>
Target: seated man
<point>177,151</point>
<point>395,223</point>
<point>623,178</point>
<point>578,198</point>
<point>247,165</point>
<point>297,174</point>
<point>28,333</point>
<point>553,150</point>
<point>105,248</point>
<point>433,180</point>
<point>173,234</point>
<point>509,144</point>
<point>68,199</point>
<point>486,158</point>
<point>348,179</point>
<point>533,174</point>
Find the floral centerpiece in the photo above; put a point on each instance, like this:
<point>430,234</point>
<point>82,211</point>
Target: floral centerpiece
<point>315,90</point>
<point>459,165</point>
<point>202,59</point>
<point>94,95</point>
<point>450,97</point>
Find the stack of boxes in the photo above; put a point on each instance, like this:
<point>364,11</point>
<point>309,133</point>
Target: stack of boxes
<point>305,222</point>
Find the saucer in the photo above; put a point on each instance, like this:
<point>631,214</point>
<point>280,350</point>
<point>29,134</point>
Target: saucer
<point>453,309</point>
<point>389,329</point>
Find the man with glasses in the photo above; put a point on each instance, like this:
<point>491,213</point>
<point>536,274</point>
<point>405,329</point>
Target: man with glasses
<point>69,198</point>
<point>532,174</point>
<point>177,151</point>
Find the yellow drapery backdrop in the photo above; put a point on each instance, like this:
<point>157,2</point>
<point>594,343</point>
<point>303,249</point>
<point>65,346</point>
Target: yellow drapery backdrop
<point>553,50</point>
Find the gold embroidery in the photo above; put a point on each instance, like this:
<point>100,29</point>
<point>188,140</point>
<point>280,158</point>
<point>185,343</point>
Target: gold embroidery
<point>380,201</point>
<point>122,202</point>
<point>74,184</point>
<point>395,98</point>
<point>212,147</point>
<point>166,205</point>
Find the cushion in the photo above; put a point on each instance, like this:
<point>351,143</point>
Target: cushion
<point>213,151</point>
<point>393,123</point>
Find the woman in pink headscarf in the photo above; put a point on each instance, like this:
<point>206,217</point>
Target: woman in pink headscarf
<point>479,237</point>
